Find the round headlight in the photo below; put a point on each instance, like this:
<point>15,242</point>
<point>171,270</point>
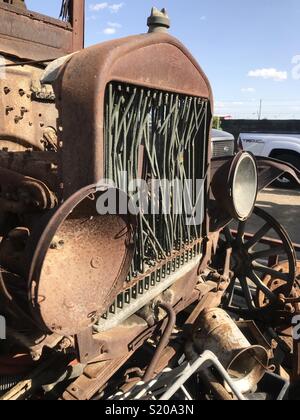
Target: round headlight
<point>244,186</point>
<point>235,185</point>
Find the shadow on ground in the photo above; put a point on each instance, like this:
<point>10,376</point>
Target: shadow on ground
<point>284,206</point>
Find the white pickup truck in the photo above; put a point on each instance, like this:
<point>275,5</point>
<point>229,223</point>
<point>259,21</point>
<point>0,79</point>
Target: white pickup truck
<point>285,147</point>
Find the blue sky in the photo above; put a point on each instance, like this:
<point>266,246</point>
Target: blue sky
<point>249,49</point>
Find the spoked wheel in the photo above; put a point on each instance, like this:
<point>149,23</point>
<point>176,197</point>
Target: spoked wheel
<point>275,284</point>
<point>256,262</point>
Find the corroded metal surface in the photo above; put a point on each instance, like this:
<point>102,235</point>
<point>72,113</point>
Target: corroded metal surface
<point>80,290</point>
<point>32,36</point>
<point>80,261</point>
<point>139,61</point>
<point>218,333</point>
<point>163,341</point>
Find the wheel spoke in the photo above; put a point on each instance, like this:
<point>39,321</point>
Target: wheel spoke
<point>271,252</point>
<point>257,281</point>
<point>241,233</point>
<point>253,260</point>
<point>230,293</point>
<point>270,271</point>
<point>258,236</point>
<point>247,292</point>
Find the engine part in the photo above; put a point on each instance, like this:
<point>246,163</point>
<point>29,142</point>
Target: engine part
<point>163,341</point>
<point>245,364</point>
<point>146,290</point>
<point>274,284</point>
<point>27,194</point>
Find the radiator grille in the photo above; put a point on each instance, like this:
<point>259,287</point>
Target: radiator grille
<point>152,134</point>
<point>223,148</point>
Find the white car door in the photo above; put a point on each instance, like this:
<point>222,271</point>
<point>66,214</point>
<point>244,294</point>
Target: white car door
<point>254,143</point>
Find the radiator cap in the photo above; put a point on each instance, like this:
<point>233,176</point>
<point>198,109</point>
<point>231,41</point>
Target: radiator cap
<point>158,21</point>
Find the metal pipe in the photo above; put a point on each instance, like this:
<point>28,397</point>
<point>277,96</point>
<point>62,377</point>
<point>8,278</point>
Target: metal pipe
<point>220,334</point>
<point>164,341</point>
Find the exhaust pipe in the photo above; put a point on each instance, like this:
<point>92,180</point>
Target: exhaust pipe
<point>246,364</point>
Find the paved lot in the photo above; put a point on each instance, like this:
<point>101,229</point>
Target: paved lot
<point>284,205</point>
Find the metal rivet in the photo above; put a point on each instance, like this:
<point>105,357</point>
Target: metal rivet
<point>96,262</point>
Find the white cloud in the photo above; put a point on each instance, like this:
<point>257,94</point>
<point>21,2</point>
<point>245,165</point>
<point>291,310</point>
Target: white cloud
<point>113,8</point>
<point>274,74</point>
<point>112,28</point>
<point>109,31</point>
<point>98,6</point>
<point>203,18</point>
<point>248,90</point>
<point>114,25</point>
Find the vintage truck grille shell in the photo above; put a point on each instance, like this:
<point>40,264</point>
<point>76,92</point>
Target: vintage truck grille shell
<point>152,134</point>
<point>223,148</point>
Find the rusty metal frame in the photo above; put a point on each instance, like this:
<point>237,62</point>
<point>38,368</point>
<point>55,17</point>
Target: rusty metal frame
<point>32,36</point>
<point>80,94</point>
<point>77,21</point>
<point>138,60</point>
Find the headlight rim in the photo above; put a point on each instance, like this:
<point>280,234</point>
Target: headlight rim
<point>237,160</point>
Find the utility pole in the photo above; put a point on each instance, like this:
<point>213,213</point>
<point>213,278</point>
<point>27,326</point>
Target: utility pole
<point>260,110</point>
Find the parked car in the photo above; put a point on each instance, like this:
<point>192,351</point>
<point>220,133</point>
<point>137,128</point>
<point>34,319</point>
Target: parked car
<point>284,147</point>
<point>223,143</point>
